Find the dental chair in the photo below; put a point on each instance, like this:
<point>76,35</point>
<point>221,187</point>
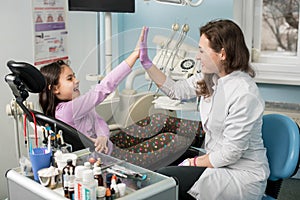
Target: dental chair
<point>162,139</point>
<point>281,138</point>
<point>26,78</point>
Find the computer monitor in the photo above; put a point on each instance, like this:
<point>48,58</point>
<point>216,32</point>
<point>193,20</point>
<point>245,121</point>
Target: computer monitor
<point>122,6</point>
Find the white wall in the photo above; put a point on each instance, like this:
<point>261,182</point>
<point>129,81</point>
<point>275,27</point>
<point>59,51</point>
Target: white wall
<point>82,44</point>
<point>16,43</point>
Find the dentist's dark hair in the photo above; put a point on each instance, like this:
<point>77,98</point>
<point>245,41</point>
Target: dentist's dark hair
<point>48,101</point>
<point>227,35</point>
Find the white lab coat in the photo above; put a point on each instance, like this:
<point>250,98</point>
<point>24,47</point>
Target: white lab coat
<point>232,120</point>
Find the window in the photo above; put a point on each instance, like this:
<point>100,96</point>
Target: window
<point>271,29</point>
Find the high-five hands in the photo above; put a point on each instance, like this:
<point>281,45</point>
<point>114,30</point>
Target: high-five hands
<point>146,62</point>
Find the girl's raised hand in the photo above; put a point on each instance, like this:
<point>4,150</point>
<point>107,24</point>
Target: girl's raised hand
<point>101,144</point>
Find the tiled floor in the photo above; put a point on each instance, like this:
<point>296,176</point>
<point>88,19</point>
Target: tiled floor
<point>290,190</point>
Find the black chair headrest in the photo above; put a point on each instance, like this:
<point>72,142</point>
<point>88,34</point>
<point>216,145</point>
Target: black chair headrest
<point>30,76</point>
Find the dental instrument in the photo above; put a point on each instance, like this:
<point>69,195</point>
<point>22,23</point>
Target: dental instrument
<point>173,53</point>
<point>183,33</point>
<point>128,172</point>
<point>165,48</point>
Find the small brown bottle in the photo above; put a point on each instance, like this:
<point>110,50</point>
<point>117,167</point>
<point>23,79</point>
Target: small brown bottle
<point>67,175</point>
<point>66,182</point>
<point>98,176</point>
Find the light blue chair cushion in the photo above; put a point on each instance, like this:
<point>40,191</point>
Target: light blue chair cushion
<point>281,138</point>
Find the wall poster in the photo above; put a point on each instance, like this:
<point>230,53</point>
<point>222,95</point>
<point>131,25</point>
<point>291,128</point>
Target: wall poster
<point>50,31</point>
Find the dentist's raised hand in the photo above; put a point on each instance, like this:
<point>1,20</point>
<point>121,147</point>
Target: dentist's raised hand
<point>146,62</point>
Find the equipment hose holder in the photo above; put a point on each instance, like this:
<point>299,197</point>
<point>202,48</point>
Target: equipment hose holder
<point>35,128</point>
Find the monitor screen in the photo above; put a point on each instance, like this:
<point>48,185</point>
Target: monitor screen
<point>102,5</point>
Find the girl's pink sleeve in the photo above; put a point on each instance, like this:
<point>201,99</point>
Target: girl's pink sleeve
<point>78,107</point>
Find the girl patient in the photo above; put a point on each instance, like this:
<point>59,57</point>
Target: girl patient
<point>61,99</point>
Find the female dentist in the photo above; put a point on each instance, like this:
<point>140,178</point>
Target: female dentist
<point>235,165</point>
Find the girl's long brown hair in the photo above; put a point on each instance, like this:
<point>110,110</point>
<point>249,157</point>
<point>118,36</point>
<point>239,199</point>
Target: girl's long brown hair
<point>48,101</point>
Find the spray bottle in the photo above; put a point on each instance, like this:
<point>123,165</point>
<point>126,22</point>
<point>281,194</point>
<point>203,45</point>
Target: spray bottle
<point>89,185</point>
<point>78,182</point>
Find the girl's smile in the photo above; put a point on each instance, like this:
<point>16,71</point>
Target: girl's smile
<point>68,85</point>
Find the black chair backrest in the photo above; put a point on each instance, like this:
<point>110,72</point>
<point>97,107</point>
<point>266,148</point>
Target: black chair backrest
<point>70,135</point>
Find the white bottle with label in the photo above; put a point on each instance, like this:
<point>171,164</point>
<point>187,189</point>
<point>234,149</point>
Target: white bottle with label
<point>78,182</point>
<point>89,185</point>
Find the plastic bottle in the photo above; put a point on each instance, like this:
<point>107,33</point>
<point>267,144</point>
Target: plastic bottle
<point>78,182</point>
<point>114,187</point>
<point>101,190</point>
<point>98,176</point>
<point>89,185</point>
<point>87,165</point>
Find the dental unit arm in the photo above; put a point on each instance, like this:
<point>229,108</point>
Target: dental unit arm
<point>174,57</point>
<point>182,2</point>
<point>178,61</point>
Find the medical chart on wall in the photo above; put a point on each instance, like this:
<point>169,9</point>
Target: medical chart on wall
<point>50,31</point>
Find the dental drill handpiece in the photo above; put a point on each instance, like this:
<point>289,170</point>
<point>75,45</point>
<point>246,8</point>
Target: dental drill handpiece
<point>183,32</point>
<point>175,28</point>
<point>185,29</point>
<point>165,49</point>
<point>175,47</point>
<point>164,66</point>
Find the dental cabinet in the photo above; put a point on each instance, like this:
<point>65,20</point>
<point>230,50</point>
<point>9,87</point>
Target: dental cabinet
<point>154,187</point>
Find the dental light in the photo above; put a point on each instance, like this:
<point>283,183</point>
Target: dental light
<point>182,2</point>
